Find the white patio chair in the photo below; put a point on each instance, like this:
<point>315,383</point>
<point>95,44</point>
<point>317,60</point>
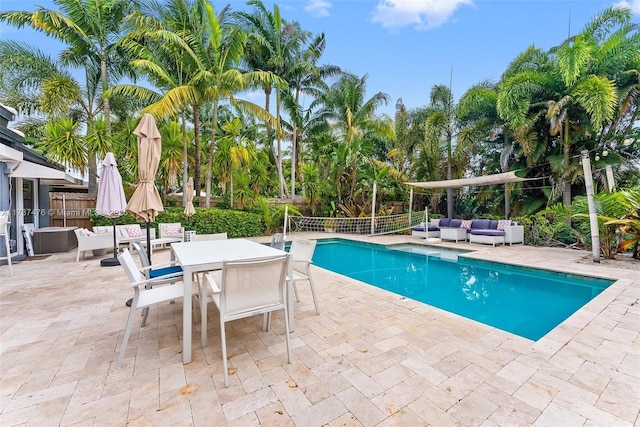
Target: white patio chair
<point>27,232</point>
<point>301,252</point>
<point>4,234</point>
<point>145,294</point>
<point>155,271</point>
<point>203,237</point>
<point>277,241</point>
<point>248,288</point>
<point>165,273</point>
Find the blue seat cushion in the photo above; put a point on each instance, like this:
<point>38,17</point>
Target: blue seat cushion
<point>486,232</point>
<point>164,271</point>
<point>444,222</point>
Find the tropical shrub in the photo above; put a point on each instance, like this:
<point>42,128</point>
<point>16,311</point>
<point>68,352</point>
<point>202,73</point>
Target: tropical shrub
<point>273,216</point>
<point>204,221</point>
<point>628,226</point>
<point>546,228</point>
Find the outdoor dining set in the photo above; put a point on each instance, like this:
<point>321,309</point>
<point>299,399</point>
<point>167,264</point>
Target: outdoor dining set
<point>243,278</point>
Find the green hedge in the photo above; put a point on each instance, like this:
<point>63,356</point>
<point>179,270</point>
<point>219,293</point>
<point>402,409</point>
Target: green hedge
<point>204,221</point>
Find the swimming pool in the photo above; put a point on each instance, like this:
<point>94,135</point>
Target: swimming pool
<point>525,301</point>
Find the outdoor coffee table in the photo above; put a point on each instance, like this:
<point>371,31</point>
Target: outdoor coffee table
<point>195,257</point>
<point>456,234</point>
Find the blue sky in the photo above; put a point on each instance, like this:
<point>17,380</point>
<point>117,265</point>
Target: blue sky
<point>407,46</point>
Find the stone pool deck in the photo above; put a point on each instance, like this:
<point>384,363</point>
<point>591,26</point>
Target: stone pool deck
<point>369,358</point>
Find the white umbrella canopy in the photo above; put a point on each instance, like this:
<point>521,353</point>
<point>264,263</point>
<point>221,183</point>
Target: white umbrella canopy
<point>189,210</point>
<point>110,200</point>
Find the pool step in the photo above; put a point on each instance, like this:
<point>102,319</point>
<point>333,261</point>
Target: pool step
<point>423,250</point>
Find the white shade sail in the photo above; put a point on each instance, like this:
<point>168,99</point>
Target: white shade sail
<point>500,178</point>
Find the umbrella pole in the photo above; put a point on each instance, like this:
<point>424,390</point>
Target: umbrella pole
<point>112,262</point>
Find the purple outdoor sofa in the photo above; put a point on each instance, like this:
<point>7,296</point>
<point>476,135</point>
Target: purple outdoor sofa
<point>489,231</point>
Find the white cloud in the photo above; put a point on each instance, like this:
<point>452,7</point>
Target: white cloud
<point>319,8</point>
<point>422,14</point>
<point>254,95</point>
<point>634,5</point>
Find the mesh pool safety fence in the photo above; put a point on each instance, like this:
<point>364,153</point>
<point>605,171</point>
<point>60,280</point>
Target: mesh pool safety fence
<point>362,225</point>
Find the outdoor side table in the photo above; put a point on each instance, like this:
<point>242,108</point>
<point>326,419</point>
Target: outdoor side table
<point>456,234</point>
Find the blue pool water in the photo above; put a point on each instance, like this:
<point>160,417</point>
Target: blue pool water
<point>524,301</point>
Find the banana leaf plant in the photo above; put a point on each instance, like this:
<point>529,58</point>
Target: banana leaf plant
<point>629,224</point>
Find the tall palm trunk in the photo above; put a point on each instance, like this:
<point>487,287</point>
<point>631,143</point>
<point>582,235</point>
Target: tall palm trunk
<point>231,190</point>
<point>197,171</point>
<point>566,193</point>
<point>279,141</point>
<point>106,109</point>
<point>185,158</point>
<point>294,149</point>
<point>212,149</point>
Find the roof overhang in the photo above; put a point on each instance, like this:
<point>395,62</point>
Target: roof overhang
<point>499,178</point>
<point>10,155</point>
<point>47,175</point>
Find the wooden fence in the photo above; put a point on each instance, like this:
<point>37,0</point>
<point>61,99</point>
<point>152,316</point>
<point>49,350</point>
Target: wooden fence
<point>71,209</point>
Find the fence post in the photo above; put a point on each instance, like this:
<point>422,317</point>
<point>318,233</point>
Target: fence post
<point>593,217</point>
<point>373,207</point>
<point>286,220</point>
<point>410,205</point>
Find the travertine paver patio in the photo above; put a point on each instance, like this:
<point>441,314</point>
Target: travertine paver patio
<point>368,359</point>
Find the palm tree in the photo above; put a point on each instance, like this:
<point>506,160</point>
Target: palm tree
<point>164,34</point>
<point>223,50</point>
<point>271,43</point>
<point>441,128</point>
<point>172,151</point>
<point>573,90</point>
<point>91,30</point>
<point>63,143</point>
<point>235,153</point>
<point>37,83</point>
<point>304,77</point>
<point>482,127</point>
<point>355,124</point>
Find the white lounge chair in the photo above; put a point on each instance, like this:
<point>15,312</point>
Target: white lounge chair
<point>88,241</point>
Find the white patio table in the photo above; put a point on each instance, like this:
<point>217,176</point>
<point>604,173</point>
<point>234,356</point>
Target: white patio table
<point>200,256</point>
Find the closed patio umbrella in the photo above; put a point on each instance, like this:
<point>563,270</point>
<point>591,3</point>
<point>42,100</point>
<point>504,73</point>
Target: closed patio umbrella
<point>145,203</point>
<point>110,201</point>
<point>189,210</point>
